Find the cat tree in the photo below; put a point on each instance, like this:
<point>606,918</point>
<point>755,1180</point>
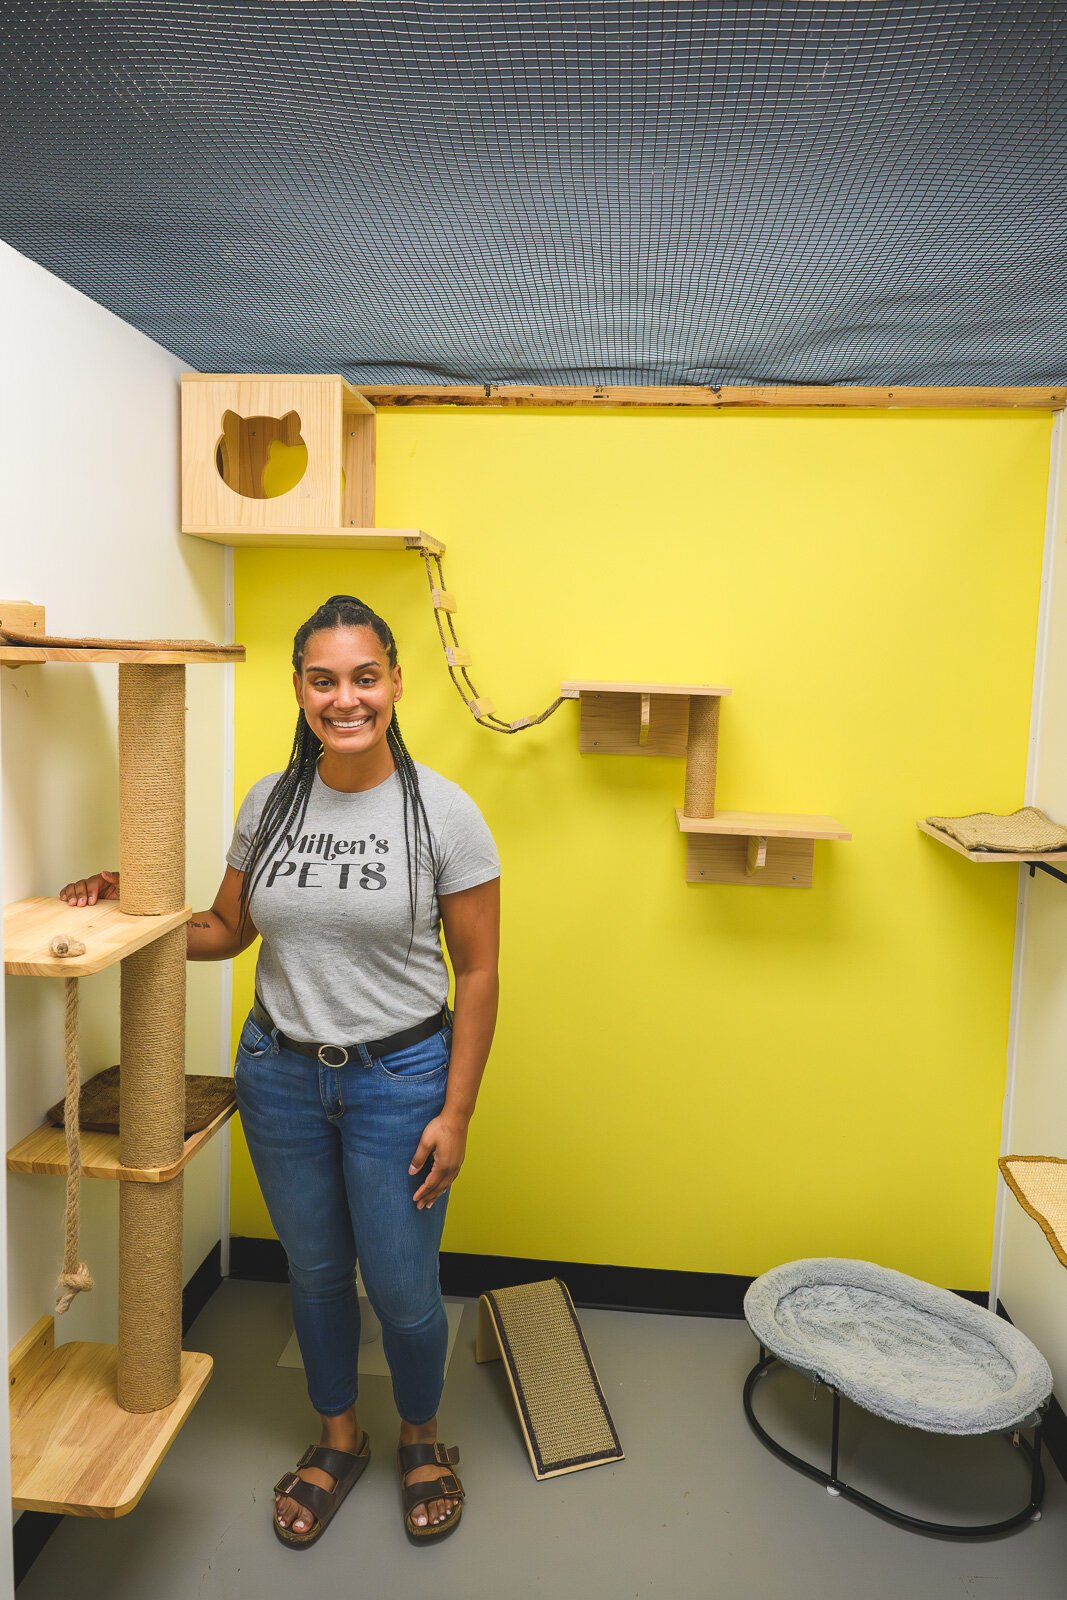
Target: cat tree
<point>91,1422</point>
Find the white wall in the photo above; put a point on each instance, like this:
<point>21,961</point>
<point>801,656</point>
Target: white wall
<point>1030,1280</point>
<point>89,501</point>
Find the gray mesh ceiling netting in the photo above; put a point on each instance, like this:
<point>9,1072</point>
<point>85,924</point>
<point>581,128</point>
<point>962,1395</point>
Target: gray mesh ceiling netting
<point>574,192</point>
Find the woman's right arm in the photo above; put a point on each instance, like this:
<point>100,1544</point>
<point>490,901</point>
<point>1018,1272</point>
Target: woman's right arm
<point>213,935</point>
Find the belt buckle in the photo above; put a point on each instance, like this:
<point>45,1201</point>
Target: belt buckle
<point>339,1049</point>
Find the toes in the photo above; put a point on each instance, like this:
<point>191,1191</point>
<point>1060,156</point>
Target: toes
<point>418,1516</point>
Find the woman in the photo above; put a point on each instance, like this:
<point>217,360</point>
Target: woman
<point>355,1083</point>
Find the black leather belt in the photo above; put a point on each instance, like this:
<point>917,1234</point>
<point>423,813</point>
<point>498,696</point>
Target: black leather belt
<point>328,1054</point>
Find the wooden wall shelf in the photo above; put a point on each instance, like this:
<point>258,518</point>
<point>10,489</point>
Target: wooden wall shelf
<point>755,848</point>
<point>323,539</point>
<point>44,1151</point>
<point>984,857</point>
<point>18,655</point>
<point>73,1449</point>
<point>635,719</point>
<point>107,933</point>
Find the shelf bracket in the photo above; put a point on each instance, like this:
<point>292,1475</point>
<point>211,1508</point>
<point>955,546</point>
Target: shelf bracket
<point>1043,866</point>
<point>757,855</point>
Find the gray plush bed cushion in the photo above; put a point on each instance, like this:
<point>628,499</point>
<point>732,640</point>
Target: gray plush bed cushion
<point>899,1347</point>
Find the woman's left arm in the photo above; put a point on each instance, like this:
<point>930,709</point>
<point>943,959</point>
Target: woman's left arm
<point>471,922</point>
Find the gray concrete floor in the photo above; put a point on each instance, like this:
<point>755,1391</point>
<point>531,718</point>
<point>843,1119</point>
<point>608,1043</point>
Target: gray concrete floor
<point>697,1511</point>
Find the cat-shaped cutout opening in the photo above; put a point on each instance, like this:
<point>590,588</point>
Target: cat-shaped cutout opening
<point>261,457</point>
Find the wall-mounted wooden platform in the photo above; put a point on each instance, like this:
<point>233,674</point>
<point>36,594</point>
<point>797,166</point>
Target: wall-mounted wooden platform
<point>323,538</point>
<point>73,1448</point>
<point>107,933</point>
<point>17,655</point>
<point>1056,858</point>
<point>755,848</point>
<point>45,1151</point>
<point>766,824</point>
<point>635,719</point>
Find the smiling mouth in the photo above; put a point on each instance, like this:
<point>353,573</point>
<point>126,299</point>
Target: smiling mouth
<point>346,726</point>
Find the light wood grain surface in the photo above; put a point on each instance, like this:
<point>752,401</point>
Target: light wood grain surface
<point>983,857</point>
<point>16,655</point>
<point>73,1449</point>
<point>322,538</point>
<point>107,933</point>
<point>45,1151</point>
<point>575,686</point>
<point>765,825</point>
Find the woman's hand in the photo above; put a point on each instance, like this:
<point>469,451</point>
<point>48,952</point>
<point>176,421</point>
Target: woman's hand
<point>446,1141</point>
<point>87,891</point>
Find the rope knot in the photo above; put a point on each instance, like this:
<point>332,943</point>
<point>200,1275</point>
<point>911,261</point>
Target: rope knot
<point>71,1283</point>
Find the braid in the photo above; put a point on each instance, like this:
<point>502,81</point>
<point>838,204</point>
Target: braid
<point>287,802</point>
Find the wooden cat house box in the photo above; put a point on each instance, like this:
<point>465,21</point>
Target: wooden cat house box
<point>275,459</point>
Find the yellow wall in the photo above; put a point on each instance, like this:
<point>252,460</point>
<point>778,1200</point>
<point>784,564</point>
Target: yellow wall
<point>709,1078</point>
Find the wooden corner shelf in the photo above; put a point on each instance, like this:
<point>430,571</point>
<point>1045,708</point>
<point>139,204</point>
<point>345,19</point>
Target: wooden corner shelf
<point>982,857</point>
<point>73,1448</point>
<point>322,538</point>
<point>45,1151</point>
<point>107,933</point>
<point>1039,1183</point>
<point>755,848</point>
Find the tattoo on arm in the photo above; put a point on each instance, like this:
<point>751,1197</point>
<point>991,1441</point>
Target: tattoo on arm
<point>195,924</point>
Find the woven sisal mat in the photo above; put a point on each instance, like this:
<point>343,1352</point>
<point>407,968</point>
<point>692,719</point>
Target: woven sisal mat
<point>1039,1183</point>
<point>1026,831</point>
<point>43,640</point>
<point>98,1103</point>
<point>562,1411</point>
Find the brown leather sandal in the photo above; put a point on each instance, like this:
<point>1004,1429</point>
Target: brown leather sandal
<point>344,1468</point>
<point>447,1487</point>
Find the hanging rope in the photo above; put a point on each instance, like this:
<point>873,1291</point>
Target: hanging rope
<point>75,1275</point>
<point>485,718</point>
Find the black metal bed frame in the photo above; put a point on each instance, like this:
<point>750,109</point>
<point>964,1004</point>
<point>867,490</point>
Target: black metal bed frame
<point>835,1486</point>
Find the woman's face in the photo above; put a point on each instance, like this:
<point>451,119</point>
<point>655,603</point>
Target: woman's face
<point>347,689</point>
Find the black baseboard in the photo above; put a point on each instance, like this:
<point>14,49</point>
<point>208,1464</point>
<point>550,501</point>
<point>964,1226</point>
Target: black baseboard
<point>201,1286</point>
<point>686,1294</point>
<point>33,1529</point>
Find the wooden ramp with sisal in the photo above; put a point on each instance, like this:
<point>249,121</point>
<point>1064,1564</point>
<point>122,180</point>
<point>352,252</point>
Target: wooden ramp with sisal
<point>564,1417</point>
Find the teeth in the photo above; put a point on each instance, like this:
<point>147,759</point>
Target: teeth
<point>359,723</point>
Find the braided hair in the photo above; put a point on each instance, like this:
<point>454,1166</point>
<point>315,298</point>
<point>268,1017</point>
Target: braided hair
<point>287,803</point>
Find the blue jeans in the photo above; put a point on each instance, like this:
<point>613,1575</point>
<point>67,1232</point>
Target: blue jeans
<point>331,1147</point>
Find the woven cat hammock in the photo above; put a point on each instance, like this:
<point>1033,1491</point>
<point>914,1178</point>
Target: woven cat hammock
<point>1028,831</point>
<point>562,1411</point>
<point>1039,1183</point>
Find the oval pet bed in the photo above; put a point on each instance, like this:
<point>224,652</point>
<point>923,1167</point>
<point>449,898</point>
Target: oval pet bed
<point>904,1350</point>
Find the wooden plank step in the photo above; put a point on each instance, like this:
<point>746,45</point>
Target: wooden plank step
<point>105,930</point>
<point>443,600</point>
<point>45,1151</point>
<point>764,825</point>
<point>457,658</point>
<point>73,1448</point>
<point>481,708</point>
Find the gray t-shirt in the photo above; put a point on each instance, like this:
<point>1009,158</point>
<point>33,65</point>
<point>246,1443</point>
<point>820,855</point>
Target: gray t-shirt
<point>334,909</point>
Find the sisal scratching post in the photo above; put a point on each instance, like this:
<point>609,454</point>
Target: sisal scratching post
<point>152,1093</point>
<point>701,756</point>
<point>152,788</point>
